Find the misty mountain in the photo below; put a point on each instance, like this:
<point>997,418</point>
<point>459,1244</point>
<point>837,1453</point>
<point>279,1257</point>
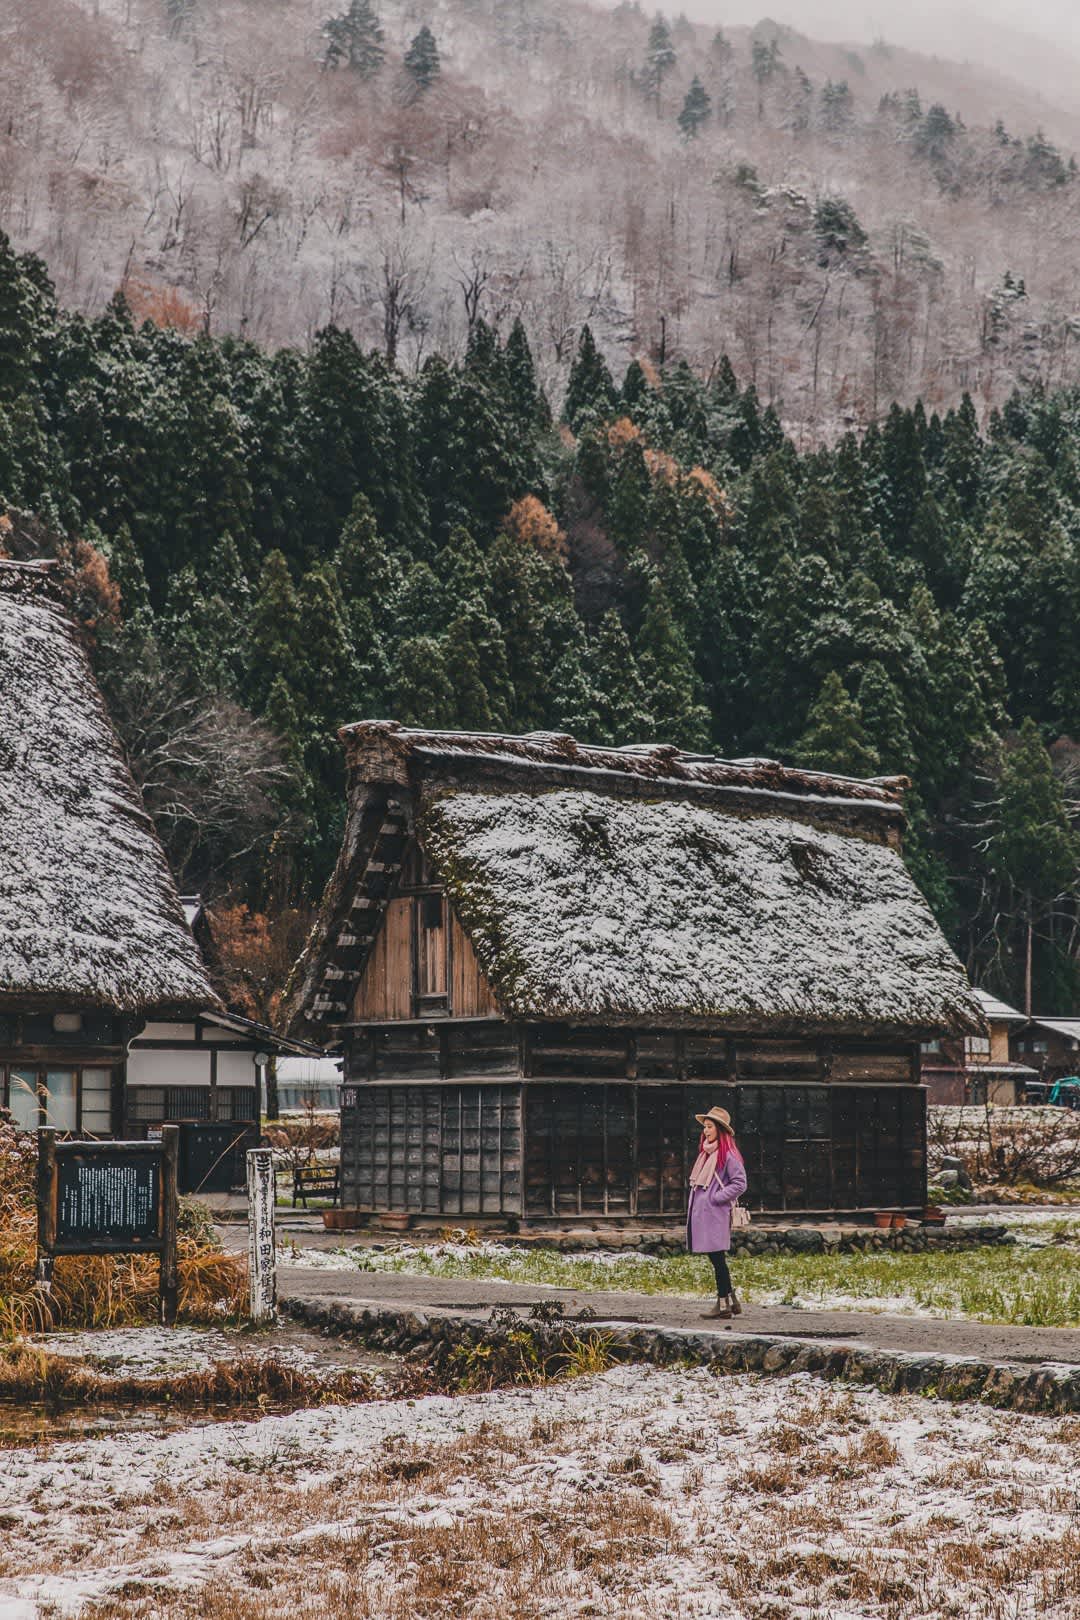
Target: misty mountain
<point>849,225</point>
<point>1037,44</point>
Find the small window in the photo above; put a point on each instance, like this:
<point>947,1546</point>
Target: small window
<point>69,1100</point>
<point>432,977</point>
<point>97,1101</point>
<point>61,1100</point>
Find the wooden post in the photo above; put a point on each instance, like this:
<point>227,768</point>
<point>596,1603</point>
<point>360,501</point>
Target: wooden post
<point>46,1211</point>
<point>170,1275</point>
<point>262,1268</point>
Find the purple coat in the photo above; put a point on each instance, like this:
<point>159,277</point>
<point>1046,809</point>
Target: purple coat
<point>708,1219</point>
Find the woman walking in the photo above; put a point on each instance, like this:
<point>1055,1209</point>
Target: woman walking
<point>717,1179</point>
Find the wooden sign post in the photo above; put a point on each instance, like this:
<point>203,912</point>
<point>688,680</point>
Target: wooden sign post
<point>110,1198</point>
<point>262,1259</point>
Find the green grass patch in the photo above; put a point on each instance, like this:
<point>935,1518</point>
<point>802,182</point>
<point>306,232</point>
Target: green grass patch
<point>1026,1286</point>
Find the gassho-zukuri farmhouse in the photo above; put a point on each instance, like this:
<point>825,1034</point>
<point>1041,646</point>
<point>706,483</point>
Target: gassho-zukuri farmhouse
<point>109,1025</point>
<point>540,959</point>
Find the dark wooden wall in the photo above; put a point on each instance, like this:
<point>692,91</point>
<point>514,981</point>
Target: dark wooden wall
<point>811,1149</point>
<point>625,1149</point>
<point>485,1045</point>
<point>439,1150</point>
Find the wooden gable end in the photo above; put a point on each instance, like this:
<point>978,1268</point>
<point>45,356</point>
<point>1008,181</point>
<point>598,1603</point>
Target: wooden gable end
<point>421,963</point>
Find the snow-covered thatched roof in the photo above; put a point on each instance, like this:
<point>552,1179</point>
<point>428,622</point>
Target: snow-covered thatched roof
<point>641,886</point>
<point>89,914</point>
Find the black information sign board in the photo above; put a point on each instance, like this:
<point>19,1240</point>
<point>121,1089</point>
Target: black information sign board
<point>109,1198</point>
<point>113,1199</point>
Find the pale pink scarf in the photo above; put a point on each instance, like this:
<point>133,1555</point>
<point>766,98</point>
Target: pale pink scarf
<point>712,1156</point>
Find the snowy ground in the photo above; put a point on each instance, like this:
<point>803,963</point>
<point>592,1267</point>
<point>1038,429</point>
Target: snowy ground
<point>644,1492</point>
<point>156,1352</point>
<point>407,1256</point>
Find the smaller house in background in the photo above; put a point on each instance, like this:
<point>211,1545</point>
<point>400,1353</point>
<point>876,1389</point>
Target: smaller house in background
<point>1051,1046</point>
<point>109,1022</point>
<point>978,1068</point>
<point>308,1084</point>
<point>208,1075</point>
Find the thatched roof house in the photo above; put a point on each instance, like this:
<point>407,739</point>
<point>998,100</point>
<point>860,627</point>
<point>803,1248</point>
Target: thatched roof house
<point>89,913</point>
<point>612,930</point>
<point>645,886</point>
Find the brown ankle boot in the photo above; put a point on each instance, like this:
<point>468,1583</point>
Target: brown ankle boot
<point>720,1309</point>
<point>733,1301</point>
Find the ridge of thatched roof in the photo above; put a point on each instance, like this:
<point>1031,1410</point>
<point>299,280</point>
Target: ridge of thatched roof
<point>385,751</point>
<point>643,886</point>
<point>89,913</point>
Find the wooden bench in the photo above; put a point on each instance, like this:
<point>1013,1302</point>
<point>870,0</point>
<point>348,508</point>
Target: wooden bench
<point>316,1181</point>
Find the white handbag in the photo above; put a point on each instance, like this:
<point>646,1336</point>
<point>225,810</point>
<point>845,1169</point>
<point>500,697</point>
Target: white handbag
<point>740,1217</point>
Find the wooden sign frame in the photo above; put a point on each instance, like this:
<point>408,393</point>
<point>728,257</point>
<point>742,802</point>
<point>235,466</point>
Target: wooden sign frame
<point>52,1241</point>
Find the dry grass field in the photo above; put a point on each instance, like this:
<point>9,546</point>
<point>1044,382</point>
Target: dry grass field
<point>637,1491</point>
<point>1036,1283</point>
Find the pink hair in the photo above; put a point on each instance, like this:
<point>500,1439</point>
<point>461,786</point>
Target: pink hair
<point>725,1145</point>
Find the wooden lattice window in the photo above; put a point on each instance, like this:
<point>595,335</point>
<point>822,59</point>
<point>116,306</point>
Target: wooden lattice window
<point>432,954</point>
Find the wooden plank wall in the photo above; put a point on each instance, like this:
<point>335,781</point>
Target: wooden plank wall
<point>437,1150</point>
<point>470,993</point>
<point>386,989</point>
<point>622,1149</point>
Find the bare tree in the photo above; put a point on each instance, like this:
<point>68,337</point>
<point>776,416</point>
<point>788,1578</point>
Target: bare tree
<point>404,269</point>
<point>473,278</point>
<point>207,770</point>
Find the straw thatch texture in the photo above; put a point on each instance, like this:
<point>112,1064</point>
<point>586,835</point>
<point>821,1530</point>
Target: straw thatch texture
<point>641,885</point>
<point>586,907</point>
<point>89,914</point>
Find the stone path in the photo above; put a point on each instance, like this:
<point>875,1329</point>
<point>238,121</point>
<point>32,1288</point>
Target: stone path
<point>908,1335</point>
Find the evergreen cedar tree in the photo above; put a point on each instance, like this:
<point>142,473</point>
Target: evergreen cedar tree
<point>298,540</point>
<point>422,59</point>
<point>696,110</point>
<point>355,40</point>
<point>660,58</point>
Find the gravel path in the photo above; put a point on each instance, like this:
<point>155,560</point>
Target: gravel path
<point>911,1335</point>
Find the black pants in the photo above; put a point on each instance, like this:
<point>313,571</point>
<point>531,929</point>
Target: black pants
<point>723,1275</point>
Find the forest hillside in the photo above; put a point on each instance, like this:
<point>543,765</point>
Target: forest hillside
<point>851,226</point>
<point>264,545</point>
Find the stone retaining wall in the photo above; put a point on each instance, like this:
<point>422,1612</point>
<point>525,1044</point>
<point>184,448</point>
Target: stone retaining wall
<point>1047,1389</point>
<point>770,1240</point>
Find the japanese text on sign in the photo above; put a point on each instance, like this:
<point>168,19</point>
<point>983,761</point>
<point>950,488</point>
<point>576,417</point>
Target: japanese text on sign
<point>116,1201</point>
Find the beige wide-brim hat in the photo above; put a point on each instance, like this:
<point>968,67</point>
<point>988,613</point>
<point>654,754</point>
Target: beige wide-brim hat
<point>719,1116</point>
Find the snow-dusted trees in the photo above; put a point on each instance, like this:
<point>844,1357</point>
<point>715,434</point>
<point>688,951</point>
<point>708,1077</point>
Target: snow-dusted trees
<point>355,39</point>
<point>422,59</point>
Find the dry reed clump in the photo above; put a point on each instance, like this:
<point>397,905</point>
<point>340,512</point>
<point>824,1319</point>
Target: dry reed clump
<point>97,1290</point>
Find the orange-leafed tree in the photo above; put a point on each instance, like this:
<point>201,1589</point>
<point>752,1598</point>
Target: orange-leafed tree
<point>255,954</point>
<point>531,524</point>
<point>162,306</point>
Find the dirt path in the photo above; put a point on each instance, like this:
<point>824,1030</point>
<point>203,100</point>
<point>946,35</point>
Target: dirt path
<point>910,1335</point>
